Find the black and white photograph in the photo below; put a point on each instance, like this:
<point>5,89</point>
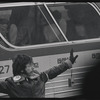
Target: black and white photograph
<point>50,50</point>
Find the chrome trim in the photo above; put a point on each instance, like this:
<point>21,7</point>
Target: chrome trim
<point>62,86</point>
<point>63,80</point>
<point>95,7</point>
<point>63,91</point>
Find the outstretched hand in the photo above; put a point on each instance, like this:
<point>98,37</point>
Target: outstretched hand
<point>72,58</point>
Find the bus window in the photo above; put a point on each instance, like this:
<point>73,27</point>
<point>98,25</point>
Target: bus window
<point>51,31</point>
<point>25,26</point>
<point>79,20</point>
<point>28,25</point>
<point>64,16</point>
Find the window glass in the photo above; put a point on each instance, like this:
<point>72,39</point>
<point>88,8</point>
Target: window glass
<point>4,20</point>
<point>28,25</point>
<point>78,20</point>
<point>51,31</point>
<point>32,25</point>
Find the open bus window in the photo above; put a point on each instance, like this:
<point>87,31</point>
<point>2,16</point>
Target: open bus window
<point>28,25</point>
<point>79,20</point>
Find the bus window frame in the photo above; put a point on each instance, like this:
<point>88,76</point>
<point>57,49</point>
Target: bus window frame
<point>13,46</point>
<point>47,44</point>
<point>92,4</point>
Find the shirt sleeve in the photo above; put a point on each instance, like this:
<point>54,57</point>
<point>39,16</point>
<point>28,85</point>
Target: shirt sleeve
<point>44,77</point>
<point>57,70</point>
<point>3,87</point>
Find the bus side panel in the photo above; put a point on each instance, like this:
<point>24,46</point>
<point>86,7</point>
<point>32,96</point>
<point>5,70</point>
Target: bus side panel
<point>68,83</point>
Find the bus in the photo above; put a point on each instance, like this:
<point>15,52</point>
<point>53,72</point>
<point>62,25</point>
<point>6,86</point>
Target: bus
<point>47,31</point>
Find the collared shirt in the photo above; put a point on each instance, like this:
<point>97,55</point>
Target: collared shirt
<point>32,88</point>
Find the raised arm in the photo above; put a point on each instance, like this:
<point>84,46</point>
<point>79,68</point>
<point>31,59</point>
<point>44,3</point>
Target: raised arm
<point>54,71</point>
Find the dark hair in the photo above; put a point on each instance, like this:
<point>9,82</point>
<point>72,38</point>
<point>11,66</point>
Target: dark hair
<point>56,14</point>
<point>19,64</point>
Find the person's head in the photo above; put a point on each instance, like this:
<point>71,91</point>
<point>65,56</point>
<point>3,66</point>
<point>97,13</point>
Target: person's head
<point>57,15</point>
<point>22,64</point>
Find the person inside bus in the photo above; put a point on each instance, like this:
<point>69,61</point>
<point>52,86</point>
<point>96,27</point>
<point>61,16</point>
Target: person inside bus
<point>48,32</point>
<point>29,28</point>
<point>27,82</point>
<point>16,30</point>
